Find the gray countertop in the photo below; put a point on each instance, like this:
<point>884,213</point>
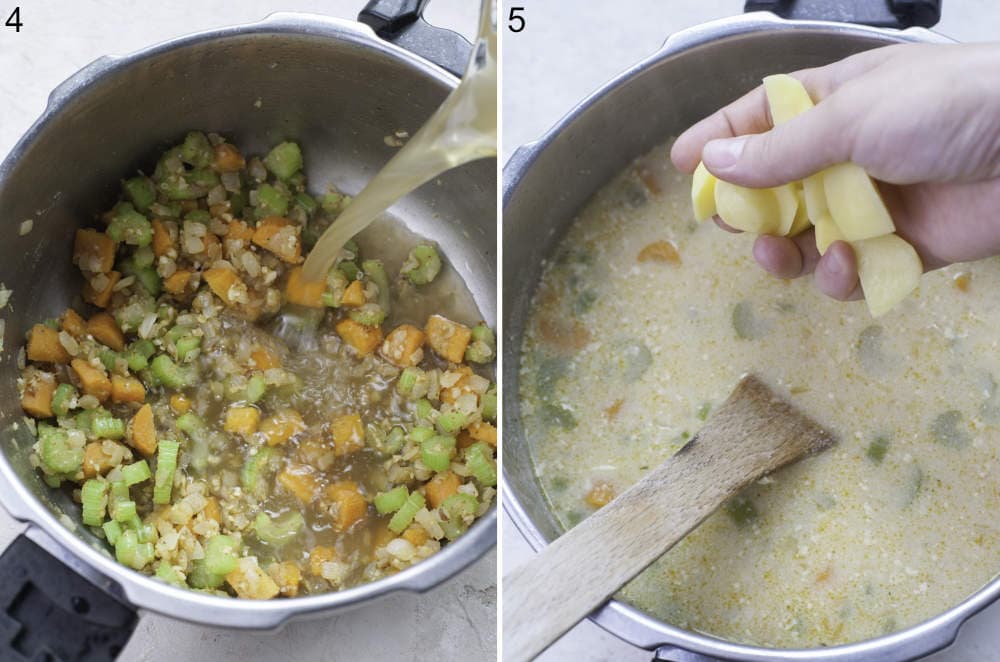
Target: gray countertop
<point>455,621</point>
<point>567,50</point>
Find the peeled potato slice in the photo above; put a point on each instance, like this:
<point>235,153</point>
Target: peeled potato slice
<point>757,210</point>
<point>815,196</point>
<point>889,269</point>
<point>786,97</point>
<point>801,223</point>
<point>855,203</point>
<point>826,233</point>
<point>703,193</point>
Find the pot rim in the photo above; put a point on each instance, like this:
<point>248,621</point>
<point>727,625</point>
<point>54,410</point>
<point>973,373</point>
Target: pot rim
<point>621,619</point>
<point>142,591</point>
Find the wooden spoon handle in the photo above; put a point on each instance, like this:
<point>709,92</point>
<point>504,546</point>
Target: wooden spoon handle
<point>751,434</point>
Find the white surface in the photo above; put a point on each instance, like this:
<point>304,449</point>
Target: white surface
<point>568,49</point>
<point>457,621</point>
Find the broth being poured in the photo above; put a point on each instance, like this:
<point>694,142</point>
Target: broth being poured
<point>463,129</point>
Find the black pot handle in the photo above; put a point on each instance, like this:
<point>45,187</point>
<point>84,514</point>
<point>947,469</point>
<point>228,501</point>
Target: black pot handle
<point>402,23</point>
<point>877,13</point>
<point>51,613</point>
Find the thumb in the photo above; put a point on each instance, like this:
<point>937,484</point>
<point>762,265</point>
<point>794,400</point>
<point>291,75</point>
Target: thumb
<point>816,139</point>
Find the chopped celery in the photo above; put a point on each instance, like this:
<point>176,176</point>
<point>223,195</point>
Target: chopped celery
<point>435,452</point>
<point>94,500</point>
<point>483,347</point>
<point>141,191</point>
<point>150,280</point>
<point>112,531</point>
<point>63,399</point>
<point>406,513</point>
<point>129,551</point>
<point>408,379</point>
<point>187,347</point>
<point>877,450</point>
<point>191,424</point>
<point>136,473</point>
<point>279,530</point>
<point>196,151</point>
<point>284,160</point>
<point>479,460</point>
<point>489,401</point>
<point>370,314</point>
<point>424,409</point>
<point>138,353</point>
<point>375,270</point>
<point>334,203</point>
<point>143,257</point>
<point>451,422</point>
<point>167,573</point>
<point>457,511</point>
<point>256,387</point>
<point>741,510</point>
<point>200,577</point>
<point>253,466</point>
<point>56,452</point>
<point>123,511</point>
<point>307,202</point>
<point>106,426</point>
<point>221,554</point>
<point>129,226</point>
<point>422,265</point>
<point>270,202</point>
<point>109,359</point>
<point>198,216</point>
<point>349,269</point>
<point>391,501</point>
<point>394,440</point>
<point>169,373</point>
<point>421,433</point>
<point>166,465</point>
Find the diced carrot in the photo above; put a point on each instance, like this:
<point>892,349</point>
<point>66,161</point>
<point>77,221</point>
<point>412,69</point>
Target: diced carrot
<point>287,576</point>
<point>44,345</point>
<point>37,397</point>
<point>162,243</point>
<point>93,251</point>
<point>447,338</point>
<point>442,486</point>
<point>319,555</point>
<point>365,339</point>
<point>281,427</point>
<point>354,295</point>
<point>143,435</point>
<point>101,298</point>
<point>660,251</point>
<point>213,247</point>
<point>106,330</point>
<point>601,494</point>
<point>222,280</point>
<point>73,324</point>
<point>348,434</point>
<point>212,509</point>
<point>612,412</point>
<point>305,293</point>
<point>250,582</point>
<point>280,236</point>
<point>382,536</point>
<point>416,535</point>
<point>93,380</point>
<point>404,346</point>
<point>264,358</point>
<point>240,231</point>
<point>178,281</point>
<point>963,280</point>
<point>452,393</point>
<point>180,403</point>
<point>300,480</point>
<point>242,420</point>
<point>127,389</point>
<point>97,461</point>
<point>351,505</point>
<point>563,335</point>
<point>227,158</point>
<point>483,431</point>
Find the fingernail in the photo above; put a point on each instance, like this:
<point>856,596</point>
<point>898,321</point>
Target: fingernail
<point>835,263</point>
<point>723,153</point>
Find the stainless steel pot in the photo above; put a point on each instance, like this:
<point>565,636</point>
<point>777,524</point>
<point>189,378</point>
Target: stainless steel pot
<point>545,183</point>
<point>332,84</point>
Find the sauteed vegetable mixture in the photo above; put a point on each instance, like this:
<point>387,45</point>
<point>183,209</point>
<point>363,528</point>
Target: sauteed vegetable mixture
<point>228,426</point>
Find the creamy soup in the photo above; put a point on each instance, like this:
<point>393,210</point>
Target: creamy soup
<point>644,321</point>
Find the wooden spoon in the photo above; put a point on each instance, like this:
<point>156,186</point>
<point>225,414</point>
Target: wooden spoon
<point>753,433</point>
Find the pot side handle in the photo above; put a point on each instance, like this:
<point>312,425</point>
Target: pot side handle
<point>402,23</point>
<point>898,14</point>
<point>671,654</point>
<point>50,612</point>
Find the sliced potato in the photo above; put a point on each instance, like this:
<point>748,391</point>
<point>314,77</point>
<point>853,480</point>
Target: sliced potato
<point>815,196</point>
<point>855,203</point>
<point>703,193</point>
<point>826,233</point>
<point>757,210</point>
<point>889,269</point>
<point>786,97</point>
<point>801,223</point>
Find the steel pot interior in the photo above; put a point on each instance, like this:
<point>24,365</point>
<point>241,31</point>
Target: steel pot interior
<point>546,183</point>
<point>331,85</point>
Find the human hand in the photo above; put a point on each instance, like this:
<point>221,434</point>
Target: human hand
<point>924,120</point>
